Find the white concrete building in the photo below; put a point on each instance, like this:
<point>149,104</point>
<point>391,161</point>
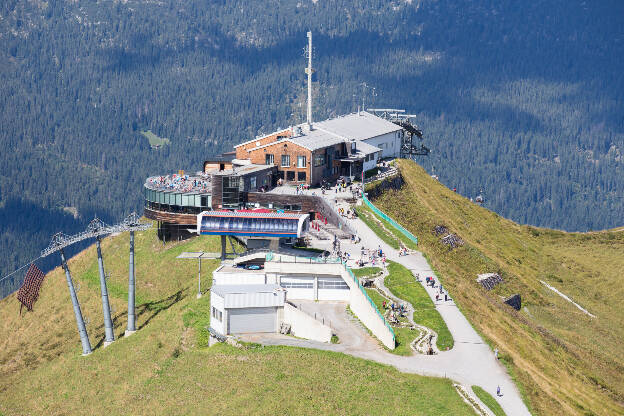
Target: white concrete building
<point>245,308</point>
<point>302,283</point>
<point>258,301</point>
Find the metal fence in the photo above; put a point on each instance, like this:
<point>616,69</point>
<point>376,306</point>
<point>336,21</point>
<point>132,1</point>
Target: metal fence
<point>287,258</point>
<point>392,222</point>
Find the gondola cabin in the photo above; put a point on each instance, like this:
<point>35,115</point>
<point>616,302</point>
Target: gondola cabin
<point>252,224</point>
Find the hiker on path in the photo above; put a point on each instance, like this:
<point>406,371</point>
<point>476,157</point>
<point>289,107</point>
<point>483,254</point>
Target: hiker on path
<point>498,392</point>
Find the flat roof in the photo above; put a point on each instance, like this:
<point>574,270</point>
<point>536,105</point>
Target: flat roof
<point>223,290</point>
<point>317,139</point>
<point>198,255</point>
<point>358,126</point>
<point>366,149</point>
<point>241,170</point>
<point>252,214</point>
<point>233,269</point>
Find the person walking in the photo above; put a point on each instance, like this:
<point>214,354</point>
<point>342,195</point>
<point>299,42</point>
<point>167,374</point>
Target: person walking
<point>496,353</point>
<point>498,391</point>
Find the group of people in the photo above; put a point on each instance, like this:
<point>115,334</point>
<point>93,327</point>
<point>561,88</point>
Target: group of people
<point>396,307</point>
<point>348,213</point>
<point>181,183</point>
<point>374,257</point>
<point>300,188</point>
<point>430,281</point>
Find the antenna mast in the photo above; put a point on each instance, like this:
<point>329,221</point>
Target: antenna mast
<point>309,71</point>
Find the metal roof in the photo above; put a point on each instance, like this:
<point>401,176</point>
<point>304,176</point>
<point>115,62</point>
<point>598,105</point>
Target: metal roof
<point>223,290</point>
<point>276,132</point>
<point>366,149</point>
<point>317,139</point>
<point>252,214</point>
<point>242,170</point>
<point>357,126</point>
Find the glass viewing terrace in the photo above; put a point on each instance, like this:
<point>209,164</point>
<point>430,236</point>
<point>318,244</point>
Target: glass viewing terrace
<point>181,194</point>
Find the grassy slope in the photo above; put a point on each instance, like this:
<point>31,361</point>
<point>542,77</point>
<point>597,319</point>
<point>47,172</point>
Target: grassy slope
<point>402,284</point>
<point>367,216</point>
<point>566,362</point>
<point>489,401</point>
<point>366,271</point>
<point>389,232</point>
<point>164,368</point>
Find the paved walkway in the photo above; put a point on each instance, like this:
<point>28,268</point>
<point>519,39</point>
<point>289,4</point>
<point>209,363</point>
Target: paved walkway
<point>471,361</point>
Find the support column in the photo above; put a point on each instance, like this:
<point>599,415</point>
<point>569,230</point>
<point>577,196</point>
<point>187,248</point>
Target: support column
<point>232,245</point>
<point>108,323</point>
<point>315,287</point>
<point>223,248</point>
<point>131,329</point>
<point>82,330</point>
<point>199,294</point>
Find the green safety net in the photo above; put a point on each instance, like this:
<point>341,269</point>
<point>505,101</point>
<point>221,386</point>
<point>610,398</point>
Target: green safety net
<point>390,220</point>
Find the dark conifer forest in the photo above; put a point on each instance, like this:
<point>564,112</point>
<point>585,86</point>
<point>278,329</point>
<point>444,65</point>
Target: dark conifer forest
<point>522,100</point>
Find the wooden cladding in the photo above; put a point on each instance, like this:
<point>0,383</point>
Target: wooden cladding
<point>171,217</point>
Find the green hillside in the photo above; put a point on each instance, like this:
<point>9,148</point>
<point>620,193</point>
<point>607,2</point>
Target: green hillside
<point>565,361</point>
<point>166,367</point>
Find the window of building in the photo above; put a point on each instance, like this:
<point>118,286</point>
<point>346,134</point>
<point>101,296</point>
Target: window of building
<point>285,161</point>
<point>217,314</point>
<point>252,183</point>
<point>297,285</point>
<point>319,159</point>
<point>301,176</point>
<point>268,159</point>
<point>332,284</point>
<point>301,161</point>
<point>280,174</point>
<point>230,192</point>
<point>290,175</point>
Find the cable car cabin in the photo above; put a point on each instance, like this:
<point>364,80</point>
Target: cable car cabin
<point>252,224</point>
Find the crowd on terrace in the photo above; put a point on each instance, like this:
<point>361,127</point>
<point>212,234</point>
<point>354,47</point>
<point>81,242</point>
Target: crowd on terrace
<point>179,183</point>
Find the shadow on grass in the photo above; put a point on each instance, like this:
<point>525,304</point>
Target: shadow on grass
<point>151,309</point>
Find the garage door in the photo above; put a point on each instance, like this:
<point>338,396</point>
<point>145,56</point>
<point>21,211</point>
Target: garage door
<point>299,287</point>
<point>243,320</point>
<point>332,288</point>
